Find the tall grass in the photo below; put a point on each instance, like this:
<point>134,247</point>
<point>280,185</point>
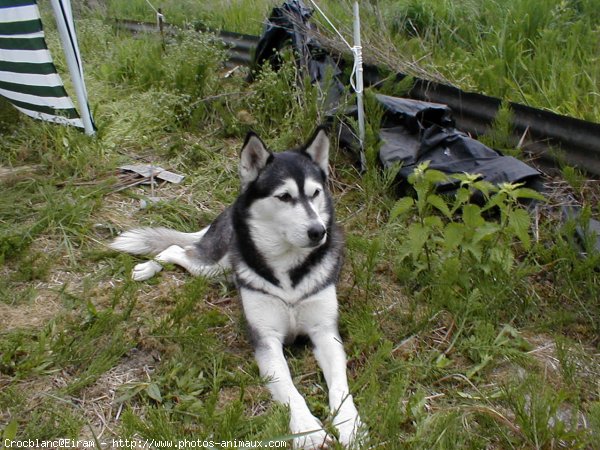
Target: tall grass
<point>243,16</point>
<point>542,53</point>
<point>539,53</point>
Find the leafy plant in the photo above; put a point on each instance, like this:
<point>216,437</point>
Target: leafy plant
<point>459,252</point>
<point>454,236</point>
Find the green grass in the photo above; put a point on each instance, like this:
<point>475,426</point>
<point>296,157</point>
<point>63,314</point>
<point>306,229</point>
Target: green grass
<point>542,53</point>
<point>462,330</point>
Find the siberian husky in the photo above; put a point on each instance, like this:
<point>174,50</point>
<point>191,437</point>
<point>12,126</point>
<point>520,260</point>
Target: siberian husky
<point>281,242</point>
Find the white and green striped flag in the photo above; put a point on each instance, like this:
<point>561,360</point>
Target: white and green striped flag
<point>28,77</point>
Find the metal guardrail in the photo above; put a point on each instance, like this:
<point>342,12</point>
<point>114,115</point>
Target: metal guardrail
<point>548,136</point>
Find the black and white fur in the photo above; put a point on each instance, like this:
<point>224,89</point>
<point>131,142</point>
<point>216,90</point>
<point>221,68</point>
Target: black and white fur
<point>280,240</point>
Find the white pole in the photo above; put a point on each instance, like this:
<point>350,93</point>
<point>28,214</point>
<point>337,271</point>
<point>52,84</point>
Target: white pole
<point>359,85</point>
<point>66,30</point>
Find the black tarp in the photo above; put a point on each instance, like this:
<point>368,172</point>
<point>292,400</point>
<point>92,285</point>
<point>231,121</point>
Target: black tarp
<point>414,131</point>
<point>289,26</point>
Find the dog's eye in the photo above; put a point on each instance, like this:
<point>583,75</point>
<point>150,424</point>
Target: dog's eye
<point>286,198</point>
<point>316,194</point>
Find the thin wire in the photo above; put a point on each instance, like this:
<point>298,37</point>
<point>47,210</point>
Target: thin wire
<point>151,6</point>
<point>355,49</point>
<point>330,24</point>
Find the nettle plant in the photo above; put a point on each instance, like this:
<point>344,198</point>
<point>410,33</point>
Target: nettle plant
<point>455,240</point>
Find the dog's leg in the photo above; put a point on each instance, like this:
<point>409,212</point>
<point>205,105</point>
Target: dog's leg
<point>319,316</point>
<point>273,366</point>
<point>269,322</point>
<point>331,357</point>
<point>175,255</point>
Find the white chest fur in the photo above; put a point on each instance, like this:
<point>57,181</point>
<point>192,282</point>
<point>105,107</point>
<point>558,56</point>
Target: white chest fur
<point>272,315</point>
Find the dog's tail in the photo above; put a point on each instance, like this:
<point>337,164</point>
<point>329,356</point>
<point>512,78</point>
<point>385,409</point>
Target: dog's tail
<point>150,241</point>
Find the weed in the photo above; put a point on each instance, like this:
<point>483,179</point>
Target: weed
<point>472,244</point>
<point>500,133</point>
<point>286,105</point>
<point>540,414</point>
<point>594,415</point>
<point>575,177</point>
<point>53,418</point>
<point>574,279</point>
<point>24,352</point>
<point>8,116</point>
<point>397,88</point>
<point>64,213</point>
<point>459,255</point>
<point>35,266</point>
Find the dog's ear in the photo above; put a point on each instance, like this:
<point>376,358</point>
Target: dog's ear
<point>318,149</point>
<point>253,158</point>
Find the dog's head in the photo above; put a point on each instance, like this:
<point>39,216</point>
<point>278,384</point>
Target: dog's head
<point>286,193</point>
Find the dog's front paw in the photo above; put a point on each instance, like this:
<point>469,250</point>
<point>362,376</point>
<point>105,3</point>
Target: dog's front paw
<point>145,271</point>
<point>311,433</point>
<point>352,432</point>
<point>350,428</point>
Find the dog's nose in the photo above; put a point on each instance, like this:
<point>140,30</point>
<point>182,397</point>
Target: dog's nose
<point>316,233</point>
